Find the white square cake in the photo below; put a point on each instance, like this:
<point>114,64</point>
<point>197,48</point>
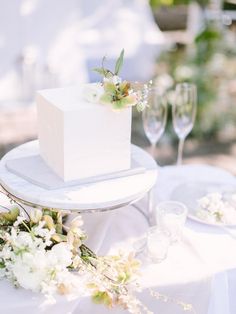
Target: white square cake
<point>80,139</point>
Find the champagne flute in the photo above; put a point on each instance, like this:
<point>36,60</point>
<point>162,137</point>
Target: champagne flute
<point>154,116</point>
<point>183,113</point>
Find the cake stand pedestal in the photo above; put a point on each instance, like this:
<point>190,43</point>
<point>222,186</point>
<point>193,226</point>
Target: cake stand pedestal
<point>87,198</point>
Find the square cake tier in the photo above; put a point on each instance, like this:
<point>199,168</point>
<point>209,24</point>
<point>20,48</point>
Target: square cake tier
<point>80,139</point>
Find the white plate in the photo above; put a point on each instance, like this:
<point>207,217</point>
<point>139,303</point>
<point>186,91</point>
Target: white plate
<point>189,193</point>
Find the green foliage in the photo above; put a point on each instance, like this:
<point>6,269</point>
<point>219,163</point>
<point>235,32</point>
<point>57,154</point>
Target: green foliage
<point>206,43</point>
<point>103,72</point>
<point>117,94</point>
<point>218,216</point>
<point>201,66</point>
<point>10,216</point>
<point>158,3</point>
<point>102,297</point>
<point>124,277</point>
<point>86,254</point>
<point>209,34</point>
<point>108,73</point>
<point>119,62</point>
<point>110,88</point>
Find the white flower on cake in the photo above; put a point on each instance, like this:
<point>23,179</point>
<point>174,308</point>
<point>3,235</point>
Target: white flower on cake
<point>93,92</point>
<point>214,209</point>
<point>115,79</point>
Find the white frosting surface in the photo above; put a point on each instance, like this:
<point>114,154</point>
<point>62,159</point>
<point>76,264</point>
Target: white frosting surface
<point>80,139</point>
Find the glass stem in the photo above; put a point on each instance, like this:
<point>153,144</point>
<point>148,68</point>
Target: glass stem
<point>180,152</point>
<point>153,149</point>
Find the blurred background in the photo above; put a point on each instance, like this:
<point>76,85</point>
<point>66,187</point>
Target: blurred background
<point>46,44</point>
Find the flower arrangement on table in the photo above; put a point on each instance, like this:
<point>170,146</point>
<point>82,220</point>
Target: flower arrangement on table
<point>214,208</point>
<point>40,253</point>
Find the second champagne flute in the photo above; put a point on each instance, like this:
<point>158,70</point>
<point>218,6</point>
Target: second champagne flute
<point>154,116</point>
<point>183,113</point>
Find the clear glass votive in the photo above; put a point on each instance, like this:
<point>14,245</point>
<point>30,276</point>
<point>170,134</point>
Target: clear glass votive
<point>157,244</point>
<point>171,217</point>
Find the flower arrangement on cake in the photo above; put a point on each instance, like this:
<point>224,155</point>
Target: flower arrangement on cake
<point>117,92</point>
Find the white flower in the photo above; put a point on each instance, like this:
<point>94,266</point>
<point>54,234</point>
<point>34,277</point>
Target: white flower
<point>45,233</point>
<point>5,253</point>
<point>36,215</point>
<point>204,201</point>
<point>26,278</point>
<point>116,79</point>
<point>19,221</point>
<point>61,253</point>
<point>92,92</point>
<point>214,209</point>
<point>30,270</point>
<point>22,240</point>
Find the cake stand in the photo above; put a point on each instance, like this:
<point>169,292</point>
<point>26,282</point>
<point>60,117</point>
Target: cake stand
<point>92,197</point>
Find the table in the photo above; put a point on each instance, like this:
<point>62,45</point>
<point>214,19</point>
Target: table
<point>201,270</point>
<point>99,196</point>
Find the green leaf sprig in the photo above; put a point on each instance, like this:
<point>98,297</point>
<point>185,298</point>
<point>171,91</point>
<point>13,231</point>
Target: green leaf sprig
<point>108,73</point>
<point>119,62</point>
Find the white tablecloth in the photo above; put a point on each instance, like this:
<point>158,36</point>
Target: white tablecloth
<point>201,270</point>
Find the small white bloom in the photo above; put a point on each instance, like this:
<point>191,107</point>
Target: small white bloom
<point>116,79</point>
<point>62,254</point>
<point>92,92</point>
<point>23,239</point>
<point>19,221</point>
<point>26,278</point>
<point>45,233</point>
<point>36,215</point>
<point>30,270</point>
<point>204,202</point>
